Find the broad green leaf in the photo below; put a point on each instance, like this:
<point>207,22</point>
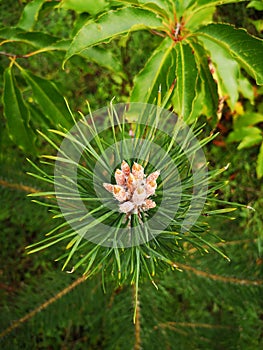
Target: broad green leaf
<point>198,105</point>
<point>186,79</point>
<point>246,88</point>
<point>193,13</point>
<point>209,86</point>
<point>227,71</point>
<point>163,4</point>
<point>161,7</point>
<point>90,6</point>
<point>8,32</point>
<point>30,14</point>
<point>17,114</point>
<point>250,141</point>
<point>239,134</point>
<point>60,45</point>
<point>202,3</point>
<point>258,24</point>
<point>37,39</point>
<point>109,26</point>
<point>201,18</point>
<point>181,7</point>
<point>259,168</point>
<point>102,57</point>
<point>158,72</point>
<point>40,119</point>
<point>246,49</point>
<point>247,119</point>
<point>50,100</point>
<point>257,4</point>
<point>80,21</point>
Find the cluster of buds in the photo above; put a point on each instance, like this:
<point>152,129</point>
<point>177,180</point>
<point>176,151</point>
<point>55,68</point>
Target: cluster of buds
<point>133,189</point>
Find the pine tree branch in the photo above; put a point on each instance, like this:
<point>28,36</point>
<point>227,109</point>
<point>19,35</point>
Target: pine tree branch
<point>114,293</point>
<point>173,325</point>
<point>176,327</point>
<point>19,187</point>
<point>43,306</point>
<point>214,277</point>
<point>223,244</point>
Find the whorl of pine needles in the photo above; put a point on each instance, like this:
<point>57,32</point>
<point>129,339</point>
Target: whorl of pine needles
<point>99,233</point>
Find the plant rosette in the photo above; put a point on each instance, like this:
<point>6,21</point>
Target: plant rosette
<point>132,187</point>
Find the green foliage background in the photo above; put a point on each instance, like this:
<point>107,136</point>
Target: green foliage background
<point>212,305</point>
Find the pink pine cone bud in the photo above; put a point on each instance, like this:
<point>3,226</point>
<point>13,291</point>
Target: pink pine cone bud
<point>153,176</point>
<point>119,193</point>
<point>138,171</point>
<point>132,189</point>
<point>149,204</point>
<point>125,168</point>
<point>126,207</point>
<point>151,187</point>
<point>119,177</point>
<point>139,196</point>
<point>131,183</point>
<point>108,187</point>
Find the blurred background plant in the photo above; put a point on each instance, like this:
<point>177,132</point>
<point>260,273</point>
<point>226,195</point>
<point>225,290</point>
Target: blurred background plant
<point>211,304</point>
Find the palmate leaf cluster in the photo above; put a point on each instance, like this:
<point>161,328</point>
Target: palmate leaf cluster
<point>181,64</point>
<point>196,63</point>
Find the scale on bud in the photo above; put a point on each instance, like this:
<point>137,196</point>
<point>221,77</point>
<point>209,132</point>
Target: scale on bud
<point>133,189</point>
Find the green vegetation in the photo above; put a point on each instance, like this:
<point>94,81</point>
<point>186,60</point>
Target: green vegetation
<point>204,302</point>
